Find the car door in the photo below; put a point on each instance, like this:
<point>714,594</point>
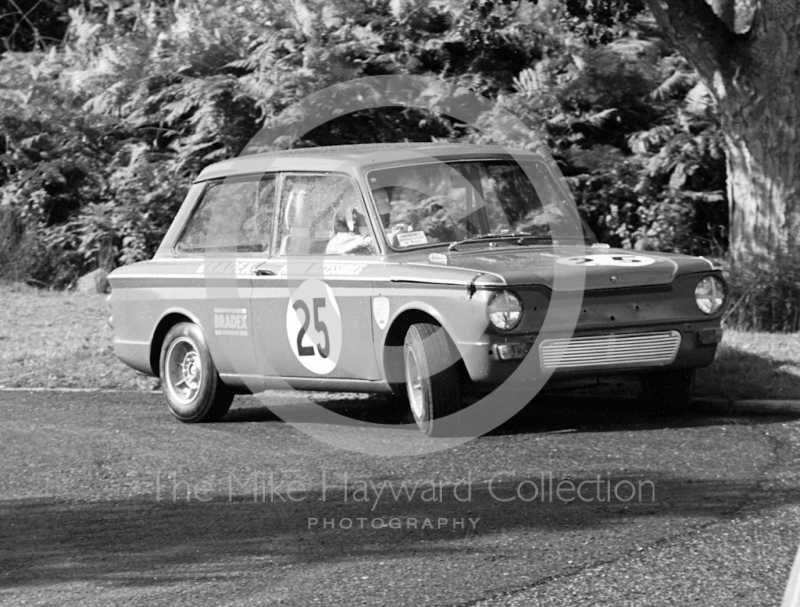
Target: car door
<point>311,298</point>
<point>227,235</point>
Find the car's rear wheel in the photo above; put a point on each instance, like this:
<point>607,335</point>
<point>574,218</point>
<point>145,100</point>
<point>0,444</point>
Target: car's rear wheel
<point>432,378</point>
<point>668,393</point>
<point>192,386</point>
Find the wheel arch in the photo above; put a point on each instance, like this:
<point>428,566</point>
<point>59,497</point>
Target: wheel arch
<point>169,320</point>
<point>392,354</point>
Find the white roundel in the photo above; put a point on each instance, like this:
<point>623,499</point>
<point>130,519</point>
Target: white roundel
<point>314,326</point>
<point>608,259</point>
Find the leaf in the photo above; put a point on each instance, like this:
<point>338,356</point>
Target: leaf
<point>678,82</point>
<point>645,142</point>
<point>679,176</point>
<point>529,82</point>
<point>699,100</point>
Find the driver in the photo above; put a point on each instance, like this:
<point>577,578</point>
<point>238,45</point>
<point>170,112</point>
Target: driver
<point>350,232</point>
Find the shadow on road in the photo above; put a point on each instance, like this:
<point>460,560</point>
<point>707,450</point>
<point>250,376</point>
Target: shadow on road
<point>150,541</point>
<point>548,412</point>
<point>739,374</point>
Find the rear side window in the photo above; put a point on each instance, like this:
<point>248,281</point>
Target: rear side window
<point>233,215</point>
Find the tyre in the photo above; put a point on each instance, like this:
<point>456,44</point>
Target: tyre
<point>192,386</point>
<point>668,393</point>
<point>433,392</point>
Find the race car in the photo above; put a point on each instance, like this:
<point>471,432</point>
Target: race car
<point>425,271</point>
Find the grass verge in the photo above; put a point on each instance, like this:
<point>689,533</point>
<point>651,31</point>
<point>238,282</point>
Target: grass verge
<point>52,339</point>
<point>62,340</point>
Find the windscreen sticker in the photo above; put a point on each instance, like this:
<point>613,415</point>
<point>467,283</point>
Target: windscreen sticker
<point>314,326</point>
<point>230,321</point>
<point>407,239</point>
<point>623,260</point>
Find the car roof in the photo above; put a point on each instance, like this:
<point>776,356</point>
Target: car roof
<point>348,157</point>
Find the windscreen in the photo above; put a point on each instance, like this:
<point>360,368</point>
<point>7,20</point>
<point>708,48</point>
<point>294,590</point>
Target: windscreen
<point>445,202</point>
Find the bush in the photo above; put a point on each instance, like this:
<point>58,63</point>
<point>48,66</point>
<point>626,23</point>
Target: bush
<point>18,248</point>
<point>102,133</point>
<point>626,211</point>
<point>765,295</point>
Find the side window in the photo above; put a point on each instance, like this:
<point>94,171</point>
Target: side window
<point>322,215</point>
<point>232,215</point>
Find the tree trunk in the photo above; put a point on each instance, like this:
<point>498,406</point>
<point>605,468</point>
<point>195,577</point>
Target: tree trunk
<point>755,78</point>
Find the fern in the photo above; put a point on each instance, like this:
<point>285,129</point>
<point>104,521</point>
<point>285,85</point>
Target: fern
<point>699,100</point>
<point>680,81</point>
<point>531,81</point>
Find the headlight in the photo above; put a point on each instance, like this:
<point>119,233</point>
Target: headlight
<point>505,310</point>
<point>709,294</point>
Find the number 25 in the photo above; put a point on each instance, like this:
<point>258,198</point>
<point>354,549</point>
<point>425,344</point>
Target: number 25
<point>319,326</point>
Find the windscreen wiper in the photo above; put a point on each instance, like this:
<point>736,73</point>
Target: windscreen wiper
<point>497,236</point>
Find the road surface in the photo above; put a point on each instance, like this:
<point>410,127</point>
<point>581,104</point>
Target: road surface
<point>105,499</point>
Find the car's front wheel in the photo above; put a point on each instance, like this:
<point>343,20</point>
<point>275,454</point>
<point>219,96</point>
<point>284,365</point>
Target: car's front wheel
<point>668,393</point>
<point>432,378</point>
<point>192,386</point>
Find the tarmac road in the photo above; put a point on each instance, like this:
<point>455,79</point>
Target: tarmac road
<point>94,510</point>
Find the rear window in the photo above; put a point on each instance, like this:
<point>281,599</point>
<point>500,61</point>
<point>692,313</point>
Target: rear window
<point>232,215</point>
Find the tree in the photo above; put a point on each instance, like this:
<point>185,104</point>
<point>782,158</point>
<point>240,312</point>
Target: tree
<point>747,53</point>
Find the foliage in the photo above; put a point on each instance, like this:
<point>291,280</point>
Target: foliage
<point>637,139</point>
<point>599,21</point>
<point>103,132</point>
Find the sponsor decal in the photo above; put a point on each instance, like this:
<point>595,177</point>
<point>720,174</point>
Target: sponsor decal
<point>227,267</point>
<point>311,268</point>
<point>380,310</point>
<point>230,321</point>
<point>323,268</point>
<point>314,326</point>
<point>618,260</point>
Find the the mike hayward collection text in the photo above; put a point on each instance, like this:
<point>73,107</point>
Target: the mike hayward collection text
<point>286,487</point>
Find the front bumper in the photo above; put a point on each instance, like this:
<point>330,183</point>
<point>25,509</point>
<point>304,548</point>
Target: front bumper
<point>494,359</point>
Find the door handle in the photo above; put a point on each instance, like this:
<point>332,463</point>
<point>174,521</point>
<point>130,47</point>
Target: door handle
<point>264,272</point>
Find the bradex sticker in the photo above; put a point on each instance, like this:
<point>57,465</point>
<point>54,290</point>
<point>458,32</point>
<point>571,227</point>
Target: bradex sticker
<point>623,260</point>
<point>314,326</point>
<point>230,321</point>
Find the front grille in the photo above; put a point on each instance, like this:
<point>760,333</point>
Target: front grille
<point>626,350</point>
